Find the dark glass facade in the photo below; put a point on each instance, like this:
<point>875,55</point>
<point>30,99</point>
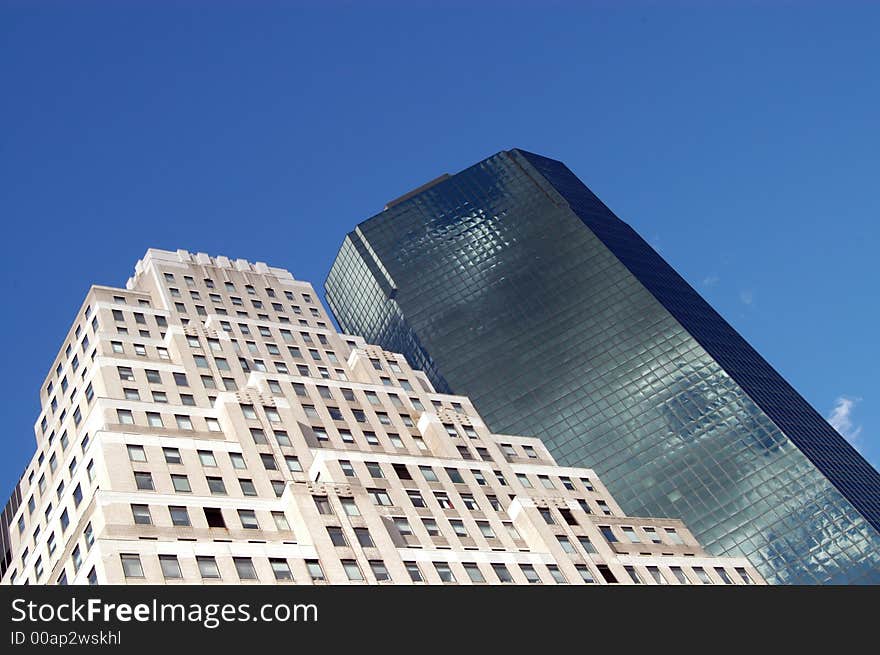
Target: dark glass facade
<point>512,283</point>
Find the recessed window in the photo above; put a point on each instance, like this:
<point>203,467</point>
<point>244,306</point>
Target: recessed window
<point>280,568</point>
<point>136,453</point>
<point>179,516</point>
<point>530,573</point>
<point>248,519</point>
<point>208,568</point>
<point>141,514</point>
<point>315,571</point>
<point>144,481</point>
<point>170,566</point>
<point>131,566</point>
<point>172,455</point>
<point>214,517</point>
<point>336,536</point>
<point>352,570</point>
<point>444,572</point>
<point>244,566</point>
<point>180,483</point>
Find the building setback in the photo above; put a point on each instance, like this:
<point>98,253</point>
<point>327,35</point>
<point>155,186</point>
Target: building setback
<point>208,424</point>
<point>512,283</point>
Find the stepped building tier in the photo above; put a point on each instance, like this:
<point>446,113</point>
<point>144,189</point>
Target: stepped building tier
<point>208,424</point>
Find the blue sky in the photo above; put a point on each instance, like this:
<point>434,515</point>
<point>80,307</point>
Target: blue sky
<point>741,141</point>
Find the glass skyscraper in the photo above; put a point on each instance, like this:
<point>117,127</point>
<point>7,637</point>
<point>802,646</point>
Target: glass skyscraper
<point>511,282</point>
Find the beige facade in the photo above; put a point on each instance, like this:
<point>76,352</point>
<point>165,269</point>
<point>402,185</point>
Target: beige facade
<point>207,424</point>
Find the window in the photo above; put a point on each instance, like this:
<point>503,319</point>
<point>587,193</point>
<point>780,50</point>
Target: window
<point>152,376</point>
<point>183,422</point>
<point>502,572</point>
<point>379,496</point>
<point>141,515</point>
<point>723,575</point>
<point>247,487</point>
<point>702,575</point>
<point>444,572</point>
<point>180,483</point>
<point>473,572</point>
<point>214,517</point>
<point>323,505</point>
<point>565,544</point>
<point>237,460</point>
<point>364,538</point>
<point>280,568</point>
<point>655,573</point>
<point>248,519</point>
<point>568,516</point>
<point>415,498</point>
<point>347,468</point>
<point>633,574</point>
<point>125,416</point>
<point>679,574</point>
<point>315,570</point>
<point>454,476</point>
<point>136,453</point>
<point>607,574</point>
<point>280,521</point>
<point>653,537</point>
<point>585,573</point>
<point>674,537</point>
<point>523,479</point>
<point>350,506</point>
<point>547,515</point>
<point>556,574</point>
<point>745,575</point>
<point>208,568</point>
<point>630,534</point>
<point>131,566</point>
<point>586,544</point>
<point>336,536</point>
<point>172,455</point>
<point>530,573</point>
<point>608,533</point>
<point>458,527</point>
<point>443,499</point>
<point>414,573</point>
<point>143,481</point>
<point>352,570</point>
<point>154,419</point>
<point>216,486</point>
<point>402,525</point>
<point>244,566</point>
<point>179,515</point>
<point>170,566</point>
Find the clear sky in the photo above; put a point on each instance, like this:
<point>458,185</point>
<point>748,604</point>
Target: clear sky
<point>741,140</point>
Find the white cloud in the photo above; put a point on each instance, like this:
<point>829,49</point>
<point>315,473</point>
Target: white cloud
<point>746,297</point>
<point>711,280</point>
<point>842,421</point>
